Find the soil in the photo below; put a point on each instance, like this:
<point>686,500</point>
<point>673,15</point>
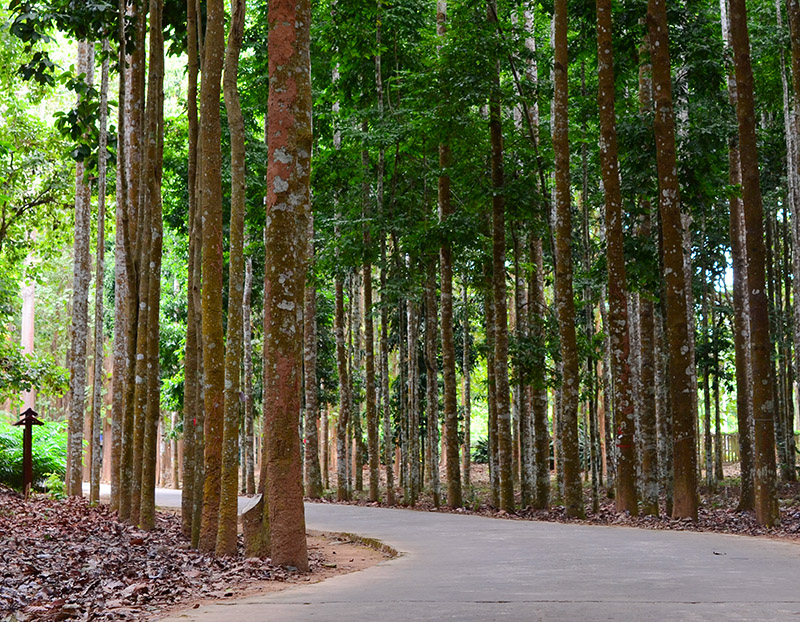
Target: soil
<point>66,560</point>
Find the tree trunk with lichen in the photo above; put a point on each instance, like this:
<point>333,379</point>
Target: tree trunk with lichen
<point>766,504</point>
<point>81,276</point>
<point>210,204</point>
<point>564,299</point>
<point>152,169</point>
<point>229,480</point>
<point>432,386</point>
<point>679,378</point>
<point>618,325</point>
<point>312,470</point>
<point>191,386</point>
<point>502,397</point>
<point>97,369</point>
<point>288,209</point>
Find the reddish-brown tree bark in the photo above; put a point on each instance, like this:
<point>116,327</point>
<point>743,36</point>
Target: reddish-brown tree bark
<point>679,377</point>
<point>564,300</point>
<point>210,205</point>
<point>618,326</point>
<point>766,503</point>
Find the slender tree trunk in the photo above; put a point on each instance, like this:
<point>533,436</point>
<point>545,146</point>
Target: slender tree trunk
<point>229,476</point>
<point>342,489</point>
<point>249,449</point>
<point>793,14</point>
<point>541,438</point>
<point>313,477</point>
<point>564,299</point>
<point>97,371</point>
<point>466,456</point>
<point>122,294</point>
<point>371,412</point>
<point>413,483</point>
<point>491,385</point>
<point>766,505</point>
<point>454,493</point>
<point>522,392</point>
<point>191,387</point>
<point>152,168</point>
<point>432,386</point>
<point>385,410</point>
<point>502,397</point>
<point>210,205</point>
<point>680,379</point>
<point>618,326</point>
<point>81,276</point>
<point>741,306</point>
<point>648,420</point>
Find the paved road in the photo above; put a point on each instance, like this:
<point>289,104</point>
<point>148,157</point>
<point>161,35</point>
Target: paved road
<point>469,568</point>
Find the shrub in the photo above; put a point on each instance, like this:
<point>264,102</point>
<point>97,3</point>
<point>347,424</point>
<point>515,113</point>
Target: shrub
<point>49,453</point>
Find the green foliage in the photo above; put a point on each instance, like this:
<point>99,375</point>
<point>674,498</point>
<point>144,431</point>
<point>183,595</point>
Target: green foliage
<point>49,453</point>
<point>23,372</point>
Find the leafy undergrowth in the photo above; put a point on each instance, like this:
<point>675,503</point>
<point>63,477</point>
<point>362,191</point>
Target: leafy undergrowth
<point>65,560</point>
<point>717,513</point>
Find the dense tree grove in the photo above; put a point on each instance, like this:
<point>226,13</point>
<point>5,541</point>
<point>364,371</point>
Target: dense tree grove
<point>384,240</point>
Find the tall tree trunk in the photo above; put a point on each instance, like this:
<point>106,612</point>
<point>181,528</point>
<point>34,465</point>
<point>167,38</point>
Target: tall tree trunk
<point>122,263</point>
<point>386,417</point>
<point>792,133</point>
<point>247,370</point>
<point>618,326</point>
<point>97,371</point>
<point>288,209</point>
<point>793,14</point>
<point>741,305</point>
<point>371,412</point>
<point>536,320</point>
<point>564,300</point>
<point>210,205</point>
<point>648,420</point>
<point>491,385</point>
<point>466,457</point>
<point>766,504</point>
<point>342,489</point>
<point>81,276</point>
<point>413,483</point>
<point>679,378</point>
<point>502,397</point>
<point>192,352</point>
<point>454,493</point>
<point>229,480</point>
<point>522,392</point>
<point>432,386</point>
<point>152,195</point>
<point>134,114</point>
<point>313,477</point>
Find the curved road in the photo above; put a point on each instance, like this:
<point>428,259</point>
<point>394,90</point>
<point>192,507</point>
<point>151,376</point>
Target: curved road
<point>456,567</point>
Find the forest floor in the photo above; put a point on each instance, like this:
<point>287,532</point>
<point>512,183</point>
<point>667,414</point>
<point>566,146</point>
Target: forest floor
<point>66,560</point>
<point>718,511</point>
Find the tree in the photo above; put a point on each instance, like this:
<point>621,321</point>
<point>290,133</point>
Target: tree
<point>210,205</point>
<point>228,508</point>
<point>80,296</point>
<point>564,301</point>
<point>763,400</point>
<point>680,378</point>
<point>618,326</point>
<point>288,206</point>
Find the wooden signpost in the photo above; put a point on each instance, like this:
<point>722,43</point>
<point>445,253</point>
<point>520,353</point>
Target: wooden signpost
<point>28,419</point>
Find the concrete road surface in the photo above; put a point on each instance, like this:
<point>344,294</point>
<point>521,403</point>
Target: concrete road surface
<point>469,568</point>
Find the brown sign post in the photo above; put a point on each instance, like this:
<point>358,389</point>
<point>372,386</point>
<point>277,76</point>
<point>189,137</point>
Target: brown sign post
<point>28,419</point>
